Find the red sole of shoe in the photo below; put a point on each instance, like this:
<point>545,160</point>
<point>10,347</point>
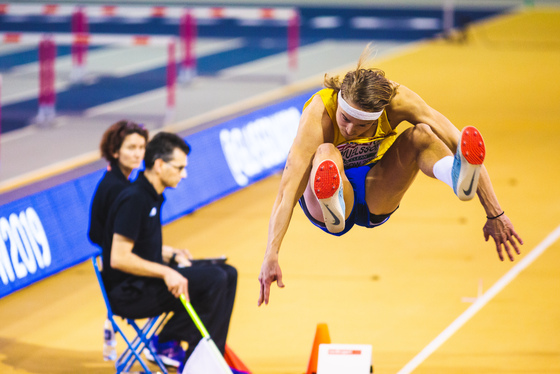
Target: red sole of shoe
<point>326,180</point>
<point>472,146</point>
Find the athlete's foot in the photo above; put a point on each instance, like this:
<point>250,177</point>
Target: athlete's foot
<point>327,187</point>
<point>467,163</point>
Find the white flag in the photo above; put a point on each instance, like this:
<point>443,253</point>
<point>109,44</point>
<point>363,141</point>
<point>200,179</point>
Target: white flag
<point>206,359</point>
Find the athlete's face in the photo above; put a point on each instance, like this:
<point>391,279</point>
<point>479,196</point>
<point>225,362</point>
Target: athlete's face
<point>350,127</point>
<point>131,153</point>
<point>175,169</point>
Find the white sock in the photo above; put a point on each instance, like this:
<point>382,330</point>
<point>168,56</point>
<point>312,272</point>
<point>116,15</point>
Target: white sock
<point>442,170</point>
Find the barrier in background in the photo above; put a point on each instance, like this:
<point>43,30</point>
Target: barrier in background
<point>0,107</point>
<point>87,39</point>
<point>187,31</point>
<point>171,79</point>
<point>135,11</point>
<point>187,25</point>
<point>47,56</point>
<point>293,45</point>
<point>79,50</point>
<point>46,232</point>
<point>47,74</point>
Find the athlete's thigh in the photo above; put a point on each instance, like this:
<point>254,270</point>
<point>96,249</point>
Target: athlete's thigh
<point>390,178</point>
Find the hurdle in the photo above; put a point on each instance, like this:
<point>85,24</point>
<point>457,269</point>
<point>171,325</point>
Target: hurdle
<point>0,115</point>
<point>187,31</point>
<point>47,55</point>
<point>171,79</point>
<point>79,51</point>
<point>448,17</point>
<point>188,19</point>
<point>47,91</point>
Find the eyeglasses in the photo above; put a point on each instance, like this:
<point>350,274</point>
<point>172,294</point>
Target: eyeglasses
<point>179,168</point>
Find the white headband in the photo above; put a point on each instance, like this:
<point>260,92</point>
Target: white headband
<point>356,113</point>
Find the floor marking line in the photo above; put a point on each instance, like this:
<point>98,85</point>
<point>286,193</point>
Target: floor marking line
<point>481,302</point>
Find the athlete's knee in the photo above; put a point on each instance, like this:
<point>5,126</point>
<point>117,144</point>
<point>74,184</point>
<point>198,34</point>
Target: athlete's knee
<point>420,135</point>
<point>328,151</point>
<point>326,148</point>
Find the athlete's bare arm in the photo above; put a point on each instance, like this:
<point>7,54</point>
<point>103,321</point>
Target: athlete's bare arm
<point>312,132</point>
<point>408,106</point>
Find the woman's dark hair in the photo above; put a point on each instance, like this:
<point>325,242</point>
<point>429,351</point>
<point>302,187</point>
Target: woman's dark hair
<point>114,136</point>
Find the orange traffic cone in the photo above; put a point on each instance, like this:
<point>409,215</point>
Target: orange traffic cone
<point>235,362</point>
<point>321,337</point>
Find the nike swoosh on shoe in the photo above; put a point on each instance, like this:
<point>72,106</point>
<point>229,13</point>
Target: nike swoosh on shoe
<point>469,190</point>
<point>336,220</point>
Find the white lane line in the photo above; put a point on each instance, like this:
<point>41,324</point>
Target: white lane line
<point>481,302</point>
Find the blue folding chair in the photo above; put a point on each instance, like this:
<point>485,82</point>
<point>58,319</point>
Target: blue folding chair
<point>143,334</point>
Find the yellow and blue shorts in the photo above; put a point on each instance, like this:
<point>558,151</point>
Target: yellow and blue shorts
<point>360,214</point>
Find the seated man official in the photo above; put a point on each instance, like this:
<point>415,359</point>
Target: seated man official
<point>139,281</point>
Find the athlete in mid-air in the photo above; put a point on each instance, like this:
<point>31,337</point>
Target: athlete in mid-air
<point>347,165</point>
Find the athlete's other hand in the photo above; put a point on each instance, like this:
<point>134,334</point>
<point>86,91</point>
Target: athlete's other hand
<point>501,230</point>
<point>270,272</point>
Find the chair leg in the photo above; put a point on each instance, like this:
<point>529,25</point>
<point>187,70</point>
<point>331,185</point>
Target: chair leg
<point>140,342</point>
<point>142,334</point>
<point>122,363</point>
<point>137,345</point>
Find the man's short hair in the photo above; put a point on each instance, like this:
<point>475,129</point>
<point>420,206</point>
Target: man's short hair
<point>162,146</point>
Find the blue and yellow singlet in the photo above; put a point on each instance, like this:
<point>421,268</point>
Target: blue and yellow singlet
<point>361,151</point>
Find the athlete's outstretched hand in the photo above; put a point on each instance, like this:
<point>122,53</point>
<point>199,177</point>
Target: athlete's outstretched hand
<point>270,272</point>
<point>501,230</point>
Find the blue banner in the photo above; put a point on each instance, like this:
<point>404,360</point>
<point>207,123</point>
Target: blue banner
<point>234,154</point>
<point>46,232</point>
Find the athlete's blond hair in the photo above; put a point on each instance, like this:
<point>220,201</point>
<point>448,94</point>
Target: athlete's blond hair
<point>366,86</point>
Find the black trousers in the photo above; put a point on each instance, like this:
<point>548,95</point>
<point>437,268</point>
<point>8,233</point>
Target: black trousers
<point>212,294</point>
